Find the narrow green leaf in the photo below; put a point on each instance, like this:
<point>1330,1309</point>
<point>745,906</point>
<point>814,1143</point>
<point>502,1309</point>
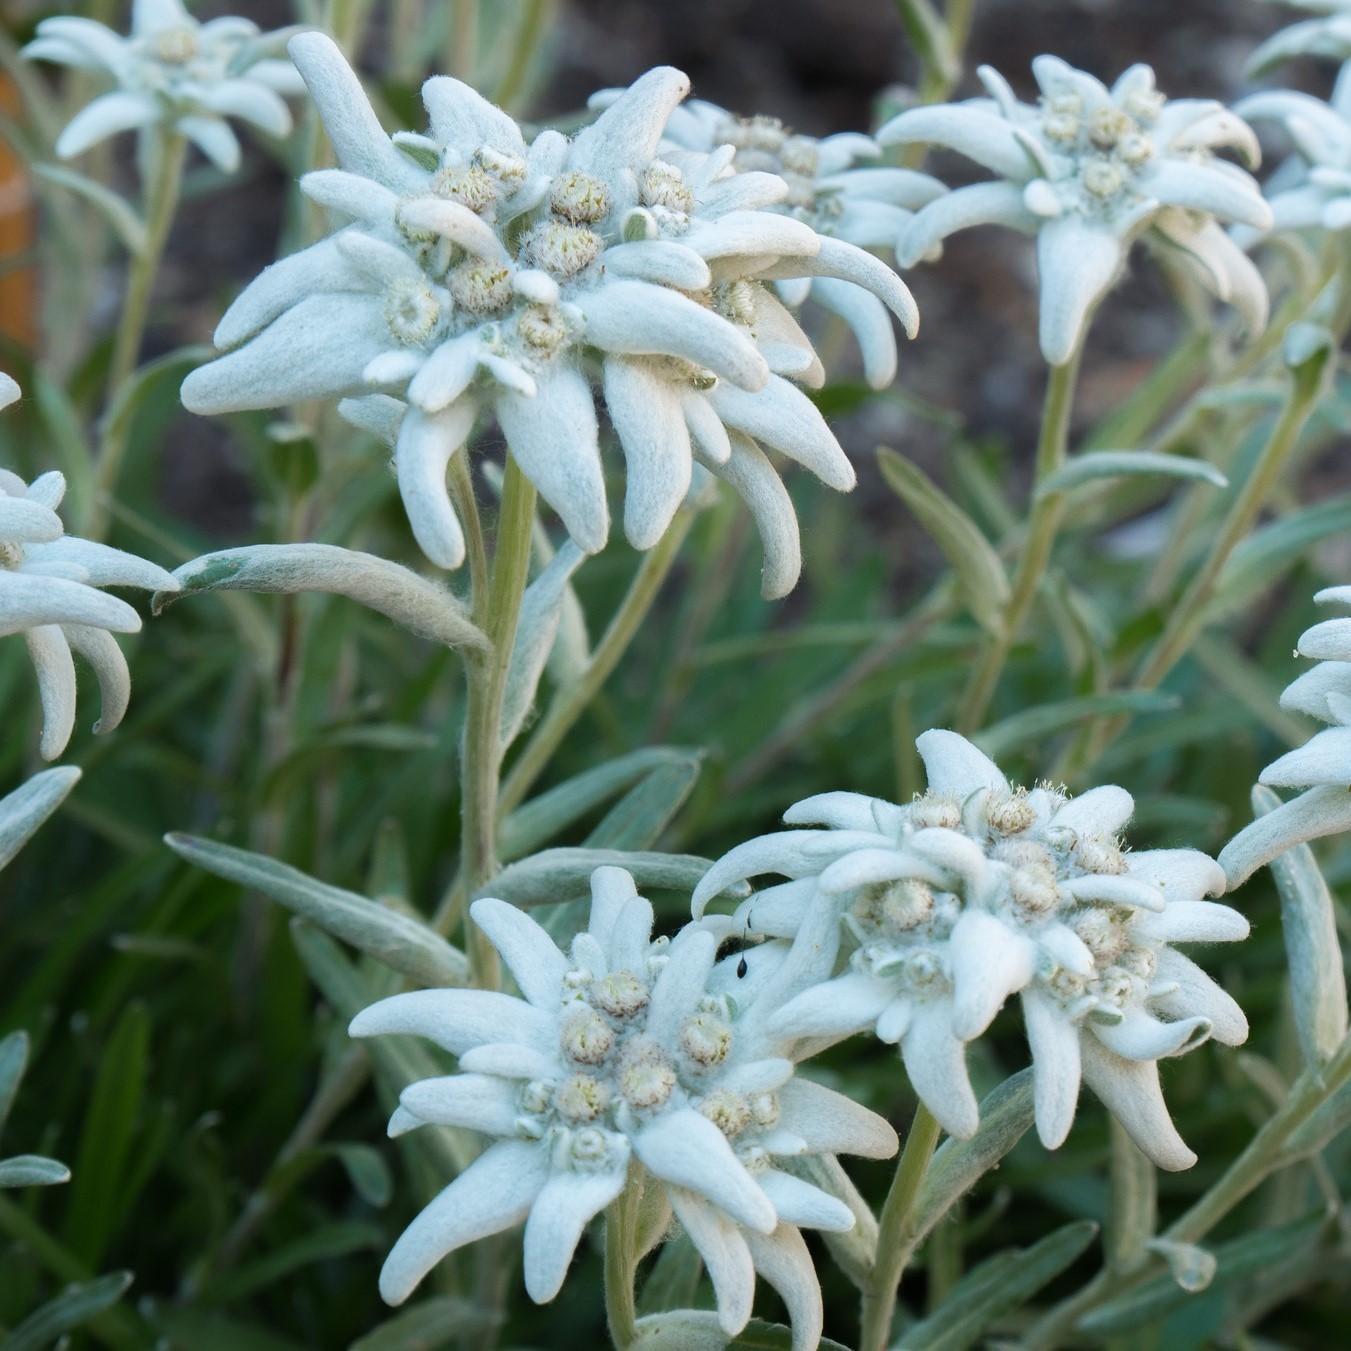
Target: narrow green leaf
<point>396,939</point>
<point>1005,1116</point>
<point>1162,1296</point>
<point>929,37</point>
<point>114,208</point>
<point>1309,924</point>
<point>637,820</point>
<point>368,1171</point>
<point>109,1137</point>
<point>74,1306</point>
<point>1037,723</point>
<point>427,1326</point>
<point>997,1287</point>
<point>697,1330</point>
<point>563,874</point>
<point>423,607</point>
<point>399,1061</point>
<point>207,1330</point>
<point>32,1170</point>
<point>13,1062</point>
<point>981,579</point>
<point>1100,464</point>
<point>28,806</point>
<point>552,812</point>
<point>674,1281</point>
<point>1257,563</point>
<point>324,1244</point>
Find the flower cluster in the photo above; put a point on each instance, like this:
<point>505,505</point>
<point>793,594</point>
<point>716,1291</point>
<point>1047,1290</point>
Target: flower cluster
<point>625,1050</point>
<point>479,272</point>
<point>833,187</point>
<point>979,890</point>
<point>1089,170</point>
<point>49,592</point>
<point>1314,190</point>
<point>1322,766</point>
<point>174,70</point>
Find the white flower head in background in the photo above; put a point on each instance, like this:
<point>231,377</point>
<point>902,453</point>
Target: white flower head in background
<point>1322,766</point>
<point>831,186</point>
<point>49,592</point>
<point>172,69</point>
<point>480,273</point>
<point>619,1056</point>
<point>979,890</point>
<point>1089,170</point>
<point>1312,191</point>
<point>1327,34</point>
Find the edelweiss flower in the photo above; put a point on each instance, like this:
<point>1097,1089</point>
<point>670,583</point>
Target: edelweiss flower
<point>617,1056</point>
<point>1088,170</point>
<point>481,272</point>
<point>176,70</point>
<point>828,189</point>
<point>1322,766</point>
<point>1315,190</point>
<point>1327,35</point>
<point>48,592</point>
<point>977,891</point>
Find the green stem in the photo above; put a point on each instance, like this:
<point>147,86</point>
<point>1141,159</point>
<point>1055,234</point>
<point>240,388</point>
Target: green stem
<point>896,1232</point>
<point>1042,529</point>
<point>497,607</point>
<point>621,1313</point>
<point>1266,1153</point>
<point>810,715</point>
<point>161,201</point>
<point>571,702</point>
<point>1187,617</point>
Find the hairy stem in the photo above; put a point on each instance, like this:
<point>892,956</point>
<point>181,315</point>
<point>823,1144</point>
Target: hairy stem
<point>571,702</point>
<point>896,1235</point>
<point>497,607</point>
<point>161,201</point>
<point>1042,529</point>
<point>620,1234</point>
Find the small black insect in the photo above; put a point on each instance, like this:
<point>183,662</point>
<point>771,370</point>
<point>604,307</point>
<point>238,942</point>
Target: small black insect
<point>743,966</point>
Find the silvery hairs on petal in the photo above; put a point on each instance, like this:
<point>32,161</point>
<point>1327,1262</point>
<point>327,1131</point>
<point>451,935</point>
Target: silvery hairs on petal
<point>1321,767</point>
<point>618,1050</point>
<point>1088,170</point>
<point>976,891</point>
<point>173,71</point>
<point>29,805</point>
<point>474,273</point>
<point>50,592</point>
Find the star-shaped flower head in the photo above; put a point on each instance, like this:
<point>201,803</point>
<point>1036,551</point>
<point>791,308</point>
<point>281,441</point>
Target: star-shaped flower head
<point>618,1064</point>
<point>484,274</point>
<point>1088,170</point>
<point>1329,34</point>
<point>172,69</point>
<point>831,186</point>
<point>49,592</point>
<point>979,890</point>
<point>1312,191</point>
<point>1322,766</point>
